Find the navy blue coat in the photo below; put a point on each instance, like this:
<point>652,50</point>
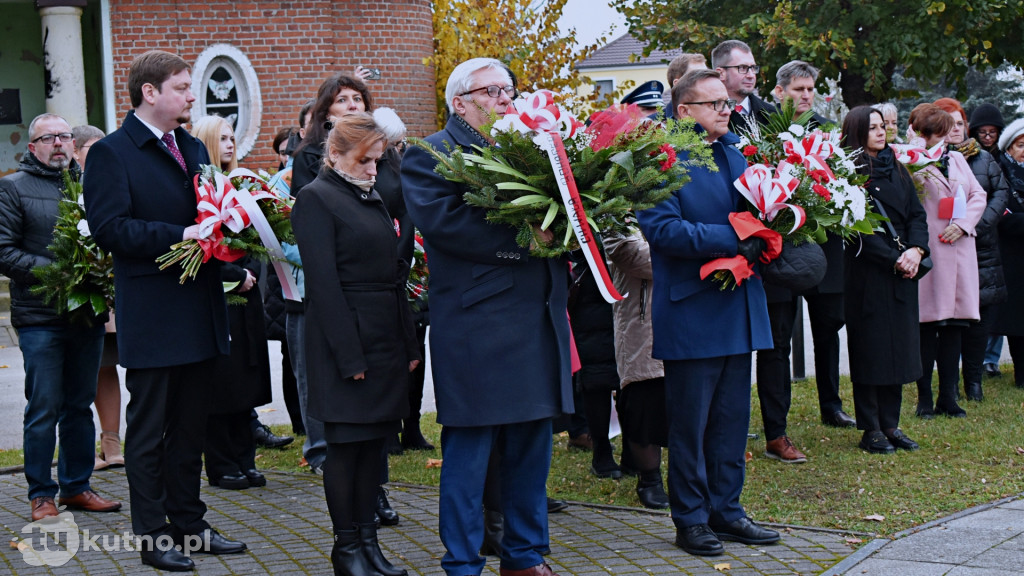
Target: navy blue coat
<point>691,317</point>
<point>139,202</point>
<point>499,333</point>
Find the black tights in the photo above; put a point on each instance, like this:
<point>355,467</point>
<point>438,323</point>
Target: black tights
<point>597,405</point>
<point>940,345</point>
<point>351,481</point>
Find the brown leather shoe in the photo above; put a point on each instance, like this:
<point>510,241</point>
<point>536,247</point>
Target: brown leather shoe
<point>538,570</point>
<point>90,501</point>
<point>43,507</point>
<point>782,449</point>
<point>582,442</point>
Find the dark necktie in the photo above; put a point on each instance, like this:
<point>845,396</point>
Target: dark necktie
<point>168,139</point>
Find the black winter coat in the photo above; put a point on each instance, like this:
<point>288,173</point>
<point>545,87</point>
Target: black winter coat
<point>28,214</point>
<point>357,313</point>
<point>1010,321</point>
<point>593,328</point>
<point>243,377</point>
<point>990,267</point>
<point>882,322</point>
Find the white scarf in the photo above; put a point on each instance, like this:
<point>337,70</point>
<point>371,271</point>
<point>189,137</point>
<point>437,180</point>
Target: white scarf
<point>364,185</point>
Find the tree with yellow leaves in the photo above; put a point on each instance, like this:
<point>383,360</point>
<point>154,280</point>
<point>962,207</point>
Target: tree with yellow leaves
<point>521,33</point>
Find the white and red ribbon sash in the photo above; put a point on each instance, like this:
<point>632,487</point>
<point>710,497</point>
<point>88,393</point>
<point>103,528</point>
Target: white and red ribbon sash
<point>551,143</point>
<point>769,190</point>
<point>916,155</point>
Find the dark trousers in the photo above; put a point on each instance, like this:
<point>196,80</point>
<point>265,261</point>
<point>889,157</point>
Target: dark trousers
<point>165,432</point>
<point>1016,344</point>
<point>940,346</point>
<point>525,450</point>
<point>974,343</point>
<point>774,374</point>
<point>290,390</point>
<point>877,407</point>
<point>229,447</point>
<point>708,402</point>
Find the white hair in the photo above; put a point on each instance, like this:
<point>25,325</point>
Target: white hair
<point>886,108</point>
<point>390,124</point>
<point>462,76</point>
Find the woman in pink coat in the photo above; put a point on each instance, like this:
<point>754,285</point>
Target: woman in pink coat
<point>948,295</point>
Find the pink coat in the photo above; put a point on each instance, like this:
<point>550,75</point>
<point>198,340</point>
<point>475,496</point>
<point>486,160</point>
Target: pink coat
<point>950,290</point>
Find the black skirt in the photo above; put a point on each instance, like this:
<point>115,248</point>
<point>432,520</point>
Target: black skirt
<point>642,413</point>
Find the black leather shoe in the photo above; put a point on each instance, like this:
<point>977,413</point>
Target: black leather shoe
<point>838,419</point>
<point>925,412</point>
<point>954,411</point>
<point>556,505</point>
<point>746,531</point>
<point>992,370</point>
<point>267,439</point>
<point>255,477</point>
<point>231,482</point>
<point>901,441</point>
<point>699,540</point>
<point>211,542</point>
<point>386,514</point>
<point>876,443</point>
<point>613,473</point>
<point>652,496</point>
<point>973,391</point>
<point>169,560</point>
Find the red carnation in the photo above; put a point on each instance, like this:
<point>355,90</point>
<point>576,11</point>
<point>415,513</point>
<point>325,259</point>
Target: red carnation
<point>670,156</point>
<point>822,191</point>
<point>749,150</point>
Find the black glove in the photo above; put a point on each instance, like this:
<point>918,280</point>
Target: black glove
<point>751,249</point>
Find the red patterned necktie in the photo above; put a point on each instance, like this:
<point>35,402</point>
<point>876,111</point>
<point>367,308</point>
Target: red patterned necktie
<point>739,108</point>
<point>168,139</point>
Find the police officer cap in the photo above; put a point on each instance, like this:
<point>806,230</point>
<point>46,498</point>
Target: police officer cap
<point>646,95</point>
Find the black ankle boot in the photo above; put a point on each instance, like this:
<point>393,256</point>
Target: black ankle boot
<point>973,391</point>
<point>347,556</point>
<point>372,553</point>
<point>412,437</point>
<point>494,530</point>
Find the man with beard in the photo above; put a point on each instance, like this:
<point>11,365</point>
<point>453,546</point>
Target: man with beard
<point>140,201</point>
<point>62,358</point>
<point>734,61</point>
<point>499,337</point>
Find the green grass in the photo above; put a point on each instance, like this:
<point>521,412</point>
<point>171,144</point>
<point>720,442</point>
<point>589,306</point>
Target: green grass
<point>962,463</point>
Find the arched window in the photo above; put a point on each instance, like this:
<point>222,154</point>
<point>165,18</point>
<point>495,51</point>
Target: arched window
<point>225,84</point>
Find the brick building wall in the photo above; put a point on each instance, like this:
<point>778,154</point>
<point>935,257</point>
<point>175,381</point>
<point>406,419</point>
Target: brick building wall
<point>293,46</point>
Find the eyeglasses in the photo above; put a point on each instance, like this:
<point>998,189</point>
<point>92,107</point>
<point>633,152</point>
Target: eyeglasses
<point>743,68</point>
<point>717,105</point>
<point>49,138</point>
<point>988,133</point>
<point>493,91</point>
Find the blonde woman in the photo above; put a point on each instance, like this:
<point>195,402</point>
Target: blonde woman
<point>219,138</point>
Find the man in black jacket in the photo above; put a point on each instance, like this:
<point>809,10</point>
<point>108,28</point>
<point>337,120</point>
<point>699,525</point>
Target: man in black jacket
<point>140,201</point>
<point>61,359</point>
<point>735,62</point>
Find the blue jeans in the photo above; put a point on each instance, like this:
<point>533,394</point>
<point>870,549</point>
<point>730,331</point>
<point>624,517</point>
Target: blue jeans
<point>994,350</point>
<point>61,364</point>
<point>315,448</point>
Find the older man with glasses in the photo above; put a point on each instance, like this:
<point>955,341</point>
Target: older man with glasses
<point>62,358</point>
<point>499,342</point>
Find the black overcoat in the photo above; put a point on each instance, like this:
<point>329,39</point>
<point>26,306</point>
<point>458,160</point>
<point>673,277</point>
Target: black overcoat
<point>357,318</point>
<point>139,202</point>
<point>882,323</point>
<point>1010,321</point>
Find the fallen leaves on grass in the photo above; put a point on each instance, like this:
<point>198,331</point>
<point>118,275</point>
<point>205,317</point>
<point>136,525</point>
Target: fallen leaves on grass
<point>875,518</point>
<point>434,462</point>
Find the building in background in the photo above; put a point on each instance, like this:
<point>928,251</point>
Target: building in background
<point>622,60</point>
<point>254,62</point>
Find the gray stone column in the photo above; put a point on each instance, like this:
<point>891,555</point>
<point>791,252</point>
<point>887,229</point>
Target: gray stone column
<point>64,66</point>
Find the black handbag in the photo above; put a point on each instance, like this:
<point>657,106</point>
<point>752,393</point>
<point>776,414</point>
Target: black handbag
<point>926,263</point>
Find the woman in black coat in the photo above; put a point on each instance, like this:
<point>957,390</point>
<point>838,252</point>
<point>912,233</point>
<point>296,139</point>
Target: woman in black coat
<point>360,345</point>
<point>881,296</point>
<point>992,291</point>
<point>1010,320</point>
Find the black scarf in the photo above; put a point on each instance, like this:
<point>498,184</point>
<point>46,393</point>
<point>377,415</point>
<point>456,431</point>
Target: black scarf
<point>882,165</point>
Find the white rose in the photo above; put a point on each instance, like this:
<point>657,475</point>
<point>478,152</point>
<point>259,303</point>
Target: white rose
<point>83,228</point>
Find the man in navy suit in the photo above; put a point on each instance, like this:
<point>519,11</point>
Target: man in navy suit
<point>140,200</point>
<point>705,335</point>
<point>499,340</point>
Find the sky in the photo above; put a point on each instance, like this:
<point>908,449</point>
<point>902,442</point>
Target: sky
<point>592,19</point>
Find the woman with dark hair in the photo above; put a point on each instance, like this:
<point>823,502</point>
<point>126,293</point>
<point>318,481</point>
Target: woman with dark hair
<point>992,287</point>
<point>360,345</point>
<point>1010,320</point>
<point>337,96</point>
<point>948,296</point>
<point>880,292</point>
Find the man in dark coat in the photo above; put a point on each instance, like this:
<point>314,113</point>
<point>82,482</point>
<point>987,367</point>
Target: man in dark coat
<point>705,335</point>
<point>62,358</point>
<point>735,62</point>
<point>140,200</point>
<point>499,342</point>
<point>795,80</point>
